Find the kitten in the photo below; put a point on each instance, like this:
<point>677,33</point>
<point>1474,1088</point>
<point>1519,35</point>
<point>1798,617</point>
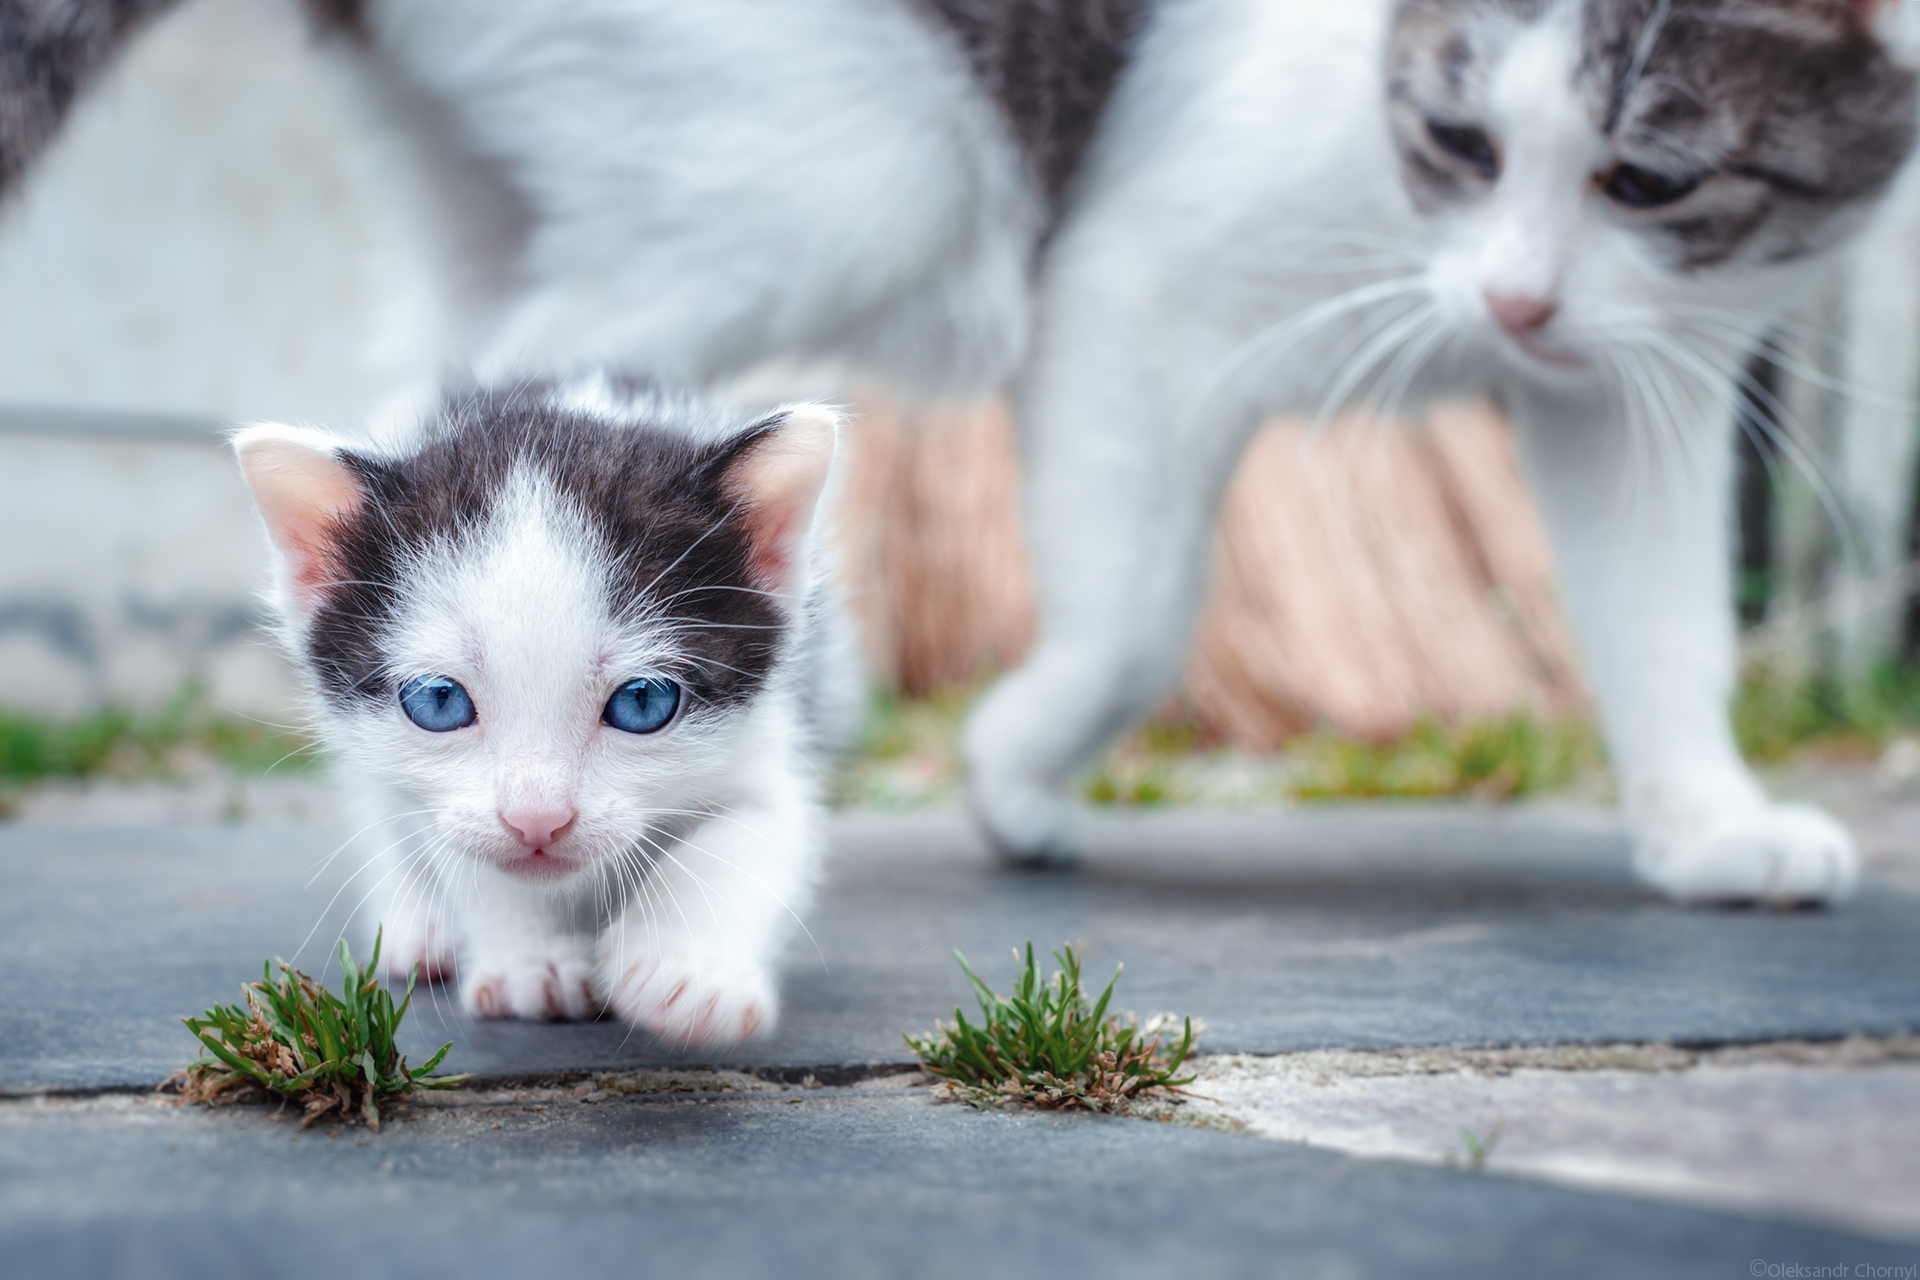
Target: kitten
<point>1168,218</point>
<point>573,653</point>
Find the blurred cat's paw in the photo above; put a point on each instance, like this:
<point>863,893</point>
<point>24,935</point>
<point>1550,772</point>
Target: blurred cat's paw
<point>1783,854</point>
<point>553,983</point>
<point>708,1001</point>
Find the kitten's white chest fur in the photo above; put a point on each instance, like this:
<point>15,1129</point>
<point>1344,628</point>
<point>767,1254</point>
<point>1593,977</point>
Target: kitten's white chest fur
<point>561,649</point>
<point>1590,210</point>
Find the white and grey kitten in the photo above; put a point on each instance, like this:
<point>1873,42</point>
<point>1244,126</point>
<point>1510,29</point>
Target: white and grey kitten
<point>571,649</point>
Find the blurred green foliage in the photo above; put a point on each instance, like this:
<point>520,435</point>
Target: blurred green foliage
<point>1489,759</point>
<point>117,742</point>
<point>1778,715</point>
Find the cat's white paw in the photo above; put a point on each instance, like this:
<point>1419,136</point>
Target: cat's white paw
<point>426,943</point>
<point>1029,823</point>
<point>553,983</point>
<point>703,1000</point>
<point>1781,854</point>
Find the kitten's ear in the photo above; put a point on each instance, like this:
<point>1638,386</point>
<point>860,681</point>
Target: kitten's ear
<point>303,489</point>
<point>777,479</point>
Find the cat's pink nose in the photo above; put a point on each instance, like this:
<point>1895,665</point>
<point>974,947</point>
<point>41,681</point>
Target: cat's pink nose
<point>1520,314</point>
<point>538,828</point>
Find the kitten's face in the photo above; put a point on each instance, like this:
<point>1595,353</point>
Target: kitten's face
<point>1595,168</point>
<point>548,631</point>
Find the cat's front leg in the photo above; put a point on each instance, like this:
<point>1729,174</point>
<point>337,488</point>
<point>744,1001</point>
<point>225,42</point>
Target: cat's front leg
<point>693,956</point>
<point>520,954</point>
<point>1640,531</point>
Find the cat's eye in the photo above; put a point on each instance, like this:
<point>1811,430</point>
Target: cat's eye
<point>437,704</point>
<point>1639,188</point>
<point>642,706</point>
<point>1469,143</point>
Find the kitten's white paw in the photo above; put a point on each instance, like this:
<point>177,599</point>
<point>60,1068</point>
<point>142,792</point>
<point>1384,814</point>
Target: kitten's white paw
<point>703,1000</point>
<point>1786,853</point>
<point>426,943</point>
<point>548,984</point>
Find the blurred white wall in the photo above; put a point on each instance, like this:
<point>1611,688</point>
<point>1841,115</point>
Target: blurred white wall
<point>200,242</point>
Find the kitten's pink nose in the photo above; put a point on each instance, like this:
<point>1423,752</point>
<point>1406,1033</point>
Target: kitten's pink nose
<point>538,828</point>
<point>1521,314</point>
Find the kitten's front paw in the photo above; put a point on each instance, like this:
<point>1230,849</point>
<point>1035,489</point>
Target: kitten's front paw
<point>1782,854</point>
<point>705,1001</point>
<point>549,984</point>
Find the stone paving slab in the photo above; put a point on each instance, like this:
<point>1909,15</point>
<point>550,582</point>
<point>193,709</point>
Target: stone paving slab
<point>834,1182</point>
<point>1827,1132</point>
<point>1284,931</point>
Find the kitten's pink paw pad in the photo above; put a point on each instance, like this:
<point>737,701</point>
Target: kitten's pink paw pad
<point>709,1004</point>
<point>554,986</point>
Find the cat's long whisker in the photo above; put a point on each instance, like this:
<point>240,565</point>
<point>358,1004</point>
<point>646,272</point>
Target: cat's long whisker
<point>1388,339</point>
<point>1784,438</point>
<point>1424,330</point>
<point>319,868</point>
<point>1810,374</point>
<point>760,882</point>
<point>1263,342</point>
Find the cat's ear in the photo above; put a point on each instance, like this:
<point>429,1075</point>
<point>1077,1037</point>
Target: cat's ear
<point>777,479</point>
<point>303,490</point>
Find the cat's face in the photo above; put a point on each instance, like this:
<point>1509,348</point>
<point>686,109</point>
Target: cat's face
<point>547,630</point>
<point>1596,170</point>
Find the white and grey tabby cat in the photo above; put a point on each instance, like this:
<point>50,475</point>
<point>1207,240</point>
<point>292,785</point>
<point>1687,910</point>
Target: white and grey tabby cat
<point>1158,219</point>
<point>573,652</point>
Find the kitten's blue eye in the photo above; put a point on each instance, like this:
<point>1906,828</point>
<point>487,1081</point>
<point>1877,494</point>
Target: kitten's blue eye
<point>642,706</point>
<point>436,704</point>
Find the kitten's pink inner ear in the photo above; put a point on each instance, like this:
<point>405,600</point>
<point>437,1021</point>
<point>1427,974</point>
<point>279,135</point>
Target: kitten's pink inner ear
<point>302,490</point>
<point>778,484</point>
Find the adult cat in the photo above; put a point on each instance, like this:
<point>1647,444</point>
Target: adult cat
<point>1167,218</point>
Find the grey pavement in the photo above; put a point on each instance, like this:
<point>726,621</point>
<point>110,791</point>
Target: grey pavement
<point>1341,928</point>
<point>824,1183</point>
<point>1317,929</point>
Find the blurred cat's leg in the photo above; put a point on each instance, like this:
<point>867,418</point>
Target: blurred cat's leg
<point>521,955</point>
<point>1119,499</point>
<point>1640,530</point>
<point>693,955</point>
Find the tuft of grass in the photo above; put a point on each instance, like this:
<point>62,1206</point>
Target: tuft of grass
<point>1048,1046</point>
<point>295,1039</point>
<point>1494,759</point>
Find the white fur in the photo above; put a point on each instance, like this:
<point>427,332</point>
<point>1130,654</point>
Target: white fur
<point>692,851</point>
<point>712,185</point>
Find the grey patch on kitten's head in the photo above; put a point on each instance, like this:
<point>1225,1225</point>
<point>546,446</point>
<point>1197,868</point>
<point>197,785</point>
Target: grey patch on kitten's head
<point>50,52</point>
<point>1051,65</point>
<point>652,486</point>
<point>1790,113</point>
